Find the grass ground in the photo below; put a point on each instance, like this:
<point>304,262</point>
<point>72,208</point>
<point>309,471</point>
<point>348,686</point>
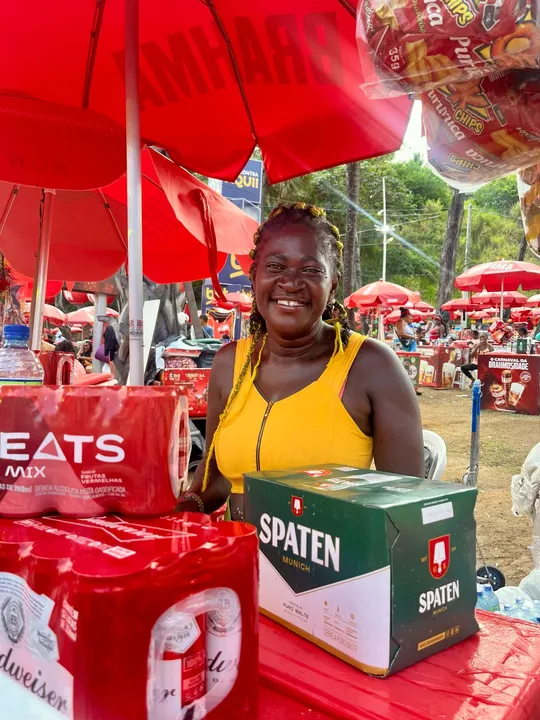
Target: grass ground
<point>504,444</point>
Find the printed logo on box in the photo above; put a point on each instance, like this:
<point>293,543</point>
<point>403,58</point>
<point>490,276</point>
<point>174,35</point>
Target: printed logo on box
<point>317,473</point>
<point>297,505</point>
<point>439,556</point>
<point>13,619</point>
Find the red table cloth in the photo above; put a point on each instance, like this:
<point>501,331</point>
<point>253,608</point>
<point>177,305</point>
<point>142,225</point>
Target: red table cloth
<point>492,676</point>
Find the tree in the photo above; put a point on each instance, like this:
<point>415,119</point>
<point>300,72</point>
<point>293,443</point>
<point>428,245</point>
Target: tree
<point>449,250</point>
<point>349,250</point>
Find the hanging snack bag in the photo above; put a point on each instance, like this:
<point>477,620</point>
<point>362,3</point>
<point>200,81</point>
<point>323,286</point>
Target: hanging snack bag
<point>414,46</point>
<point>483,129</point>
<point>529,198</point>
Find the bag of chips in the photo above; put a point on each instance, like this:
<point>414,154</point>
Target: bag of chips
<point>483,129</point>
<point>416,45</point>
<point>529,198</point>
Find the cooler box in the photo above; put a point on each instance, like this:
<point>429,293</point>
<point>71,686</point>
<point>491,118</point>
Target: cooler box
<point>377,569</point>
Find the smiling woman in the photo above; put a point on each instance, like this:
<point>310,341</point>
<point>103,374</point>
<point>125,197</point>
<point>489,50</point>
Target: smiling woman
<point>302,389</point>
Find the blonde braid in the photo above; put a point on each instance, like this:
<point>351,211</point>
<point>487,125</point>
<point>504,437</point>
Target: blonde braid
<point>232,397</point>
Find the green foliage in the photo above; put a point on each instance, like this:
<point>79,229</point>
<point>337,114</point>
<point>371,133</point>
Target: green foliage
<point>417,207</point>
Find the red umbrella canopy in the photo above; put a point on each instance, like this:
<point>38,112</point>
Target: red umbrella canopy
<point>500,275</point>
<point>458,305</point>
<point>76,297</point>
<point>520,313</point>
<point>188,229</point>
<point>422,306</point>
<point>51,313</point>
<point>483,314</point>
<point>85,316</point>
<point>215,80</point>
<point>534,301</point>
<point>510,298</point>
<point>416,315</point>
<point>27,285</point>
<point>381,293</point>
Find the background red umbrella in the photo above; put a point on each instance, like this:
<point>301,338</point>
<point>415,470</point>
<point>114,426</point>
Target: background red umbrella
<point>483,314</point>
<point>458,305</point>
<point>533,301</point>
<point>500,276</point>
<point>510,298</point>
<point>381,293</point>
<point>417,316</point>
<point>235,301</point>
<point>51,313</point>
<point>85,316</point>
<point>26,284</point>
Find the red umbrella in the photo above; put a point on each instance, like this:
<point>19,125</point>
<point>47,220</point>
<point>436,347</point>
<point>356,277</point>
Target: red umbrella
<point>85,316</point>
<point>499,276</point>
<point>534,301</point>
<point>483,314</point>
<point>27,284</point>
<point>89,233</point>
<point>520,313</point>
<point>416,315</point>
<point>216,79</point>
<point>235,300</point>
<point>457,305</point>
<point>76,297</point>
<point>381,293</point>
<point>510,298</point>
<point>422,306</point>
<point>51,313</point>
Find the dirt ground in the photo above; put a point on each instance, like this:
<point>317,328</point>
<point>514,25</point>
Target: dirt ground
<point>505,441</point>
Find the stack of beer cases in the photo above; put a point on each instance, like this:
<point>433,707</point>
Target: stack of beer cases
<point>112,605</point>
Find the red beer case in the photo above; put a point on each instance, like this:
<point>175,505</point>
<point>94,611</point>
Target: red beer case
<point>195,382</point>
<point>84,451</point>
<point>110,619</point>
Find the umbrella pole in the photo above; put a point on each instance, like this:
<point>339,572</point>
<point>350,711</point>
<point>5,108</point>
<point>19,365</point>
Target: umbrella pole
<point>134,196</point>
<point>42,266</point>
<point>100,308</point>
<point>380,328</point>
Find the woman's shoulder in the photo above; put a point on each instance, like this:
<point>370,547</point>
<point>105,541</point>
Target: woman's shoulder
<point>375,362</point>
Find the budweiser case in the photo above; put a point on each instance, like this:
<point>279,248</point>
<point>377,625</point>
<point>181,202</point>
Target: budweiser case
<point>86,451</point>
<point>109,619</point>
<point>377,569</point>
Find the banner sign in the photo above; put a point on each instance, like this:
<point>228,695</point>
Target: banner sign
<point>248,185</point>
<point>510,382</point>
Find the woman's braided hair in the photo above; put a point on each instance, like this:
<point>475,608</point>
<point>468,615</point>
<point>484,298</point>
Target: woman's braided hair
<point>335,314</point>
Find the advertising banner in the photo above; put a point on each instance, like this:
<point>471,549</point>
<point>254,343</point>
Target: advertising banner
<point>411,363</point>
<point>438,365</point>
<point>196,384</point>
<point>510,383</point>
<point>248,185</point>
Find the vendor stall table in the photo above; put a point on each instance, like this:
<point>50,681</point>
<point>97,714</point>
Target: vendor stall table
<point>494,675</point>
<point>439,365</point>
<point>511,382</point>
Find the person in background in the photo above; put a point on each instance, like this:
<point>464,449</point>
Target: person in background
<point>436,330</point>
<point>404,331</point>
<point>85,354</point>
<point>300,390</point>
<point>421,335</point>
<point>67,346</point>
<point>207,330</point>
<point>479,348</point>
<point>522,331</point>
<point>46,344</point>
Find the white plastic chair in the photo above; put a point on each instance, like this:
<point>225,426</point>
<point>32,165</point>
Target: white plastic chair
<point>436,447</point>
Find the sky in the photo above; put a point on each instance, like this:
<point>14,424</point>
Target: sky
<point>413,142</point>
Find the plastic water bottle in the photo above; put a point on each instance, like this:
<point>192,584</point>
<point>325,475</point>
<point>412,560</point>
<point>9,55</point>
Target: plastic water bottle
<point>491,599</point>
<point>18,364</point>
<point>522,611</point>
<point>507,609</point>
<point>481,603</point>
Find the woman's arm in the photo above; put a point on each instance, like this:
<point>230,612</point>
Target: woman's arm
<point>396,426</point>
<point>218,488</point>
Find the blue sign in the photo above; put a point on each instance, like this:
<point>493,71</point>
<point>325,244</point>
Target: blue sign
<point>248,185</point>
<point>232,273</point>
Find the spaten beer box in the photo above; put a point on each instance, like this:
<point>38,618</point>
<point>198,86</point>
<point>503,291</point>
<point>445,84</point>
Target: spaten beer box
<point>377,569</point>
<point>113,619</point>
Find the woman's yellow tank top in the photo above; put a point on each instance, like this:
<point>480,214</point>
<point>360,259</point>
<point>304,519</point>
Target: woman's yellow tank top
<point>310,427</point>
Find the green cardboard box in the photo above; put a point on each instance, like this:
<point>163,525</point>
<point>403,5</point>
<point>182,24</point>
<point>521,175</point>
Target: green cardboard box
<point>377,569</point>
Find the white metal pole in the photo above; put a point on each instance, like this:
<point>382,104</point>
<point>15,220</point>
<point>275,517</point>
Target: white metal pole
<point>502,296</point>
<point>42,266</point>
<point>384,228</point>
<point>100,308</point>
<point>134,196</point>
